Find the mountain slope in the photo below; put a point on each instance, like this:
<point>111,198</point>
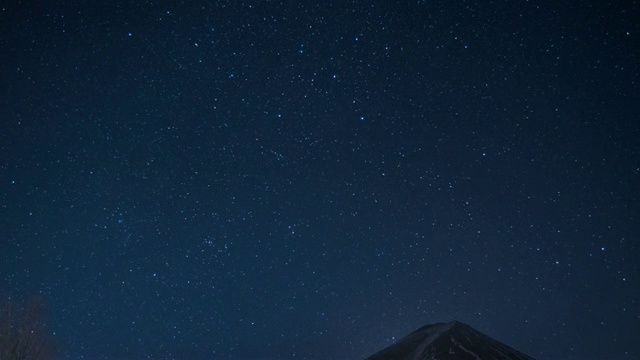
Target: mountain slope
<point>448,341</point>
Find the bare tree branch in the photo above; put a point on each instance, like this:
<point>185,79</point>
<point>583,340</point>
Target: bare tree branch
<point>23,333</point>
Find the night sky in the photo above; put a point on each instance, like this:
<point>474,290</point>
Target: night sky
<point>315,179</point>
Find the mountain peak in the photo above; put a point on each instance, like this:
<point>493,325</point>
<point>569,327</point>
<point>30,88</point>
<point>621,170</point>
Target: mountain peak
<point>448,341</point>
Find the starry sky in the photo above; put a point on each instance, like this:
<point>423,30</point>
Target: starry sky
<point>316,179</point>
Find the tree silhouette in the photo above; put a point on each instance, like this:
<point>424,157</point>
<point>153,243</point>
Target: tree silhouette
<point>23,333</point>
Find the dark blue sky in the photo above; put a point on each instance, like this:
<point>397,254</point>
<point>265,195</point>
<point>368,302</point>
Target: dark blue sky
<point>312,180</point>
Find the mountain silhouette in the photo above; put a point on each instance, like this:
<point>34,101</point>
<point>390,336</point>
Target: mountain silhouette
<point>448,341</point>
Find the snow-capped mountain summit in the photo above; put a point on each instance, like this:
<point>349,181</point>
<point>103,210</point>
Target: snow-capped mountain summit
<point>448,341</point>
